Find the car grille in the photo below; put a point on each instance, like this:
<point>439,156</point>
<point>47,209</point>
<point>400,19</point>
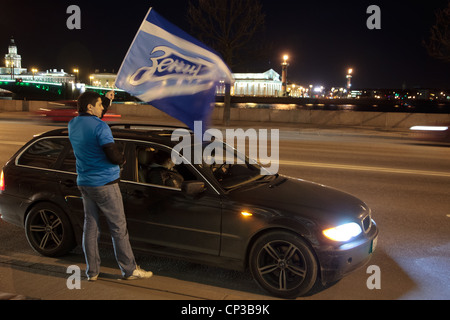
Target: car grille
<point>367,223</point>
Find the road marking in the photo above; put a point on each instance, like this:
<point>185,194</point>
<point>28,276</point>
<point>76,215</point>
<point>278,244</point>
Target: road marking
<point>363,168</point>
<point>324,165</point>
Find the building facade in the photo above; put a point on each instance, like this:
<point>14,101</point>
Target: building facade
<point>267,84</point>
<point>13,62</point>
<point>103,80</point>
<point>53,75</point>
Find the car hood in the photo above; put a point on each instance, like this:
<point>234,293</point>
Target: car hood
<point>298,196</point>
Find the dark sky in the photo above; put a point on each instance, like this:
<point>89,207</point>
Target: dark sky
<point>322,38</point>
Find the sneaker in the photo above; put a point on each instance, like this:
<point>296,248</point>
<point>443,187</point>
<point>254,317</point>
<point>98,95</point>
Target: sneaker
<point>94,278</point>
<point>138,273</point>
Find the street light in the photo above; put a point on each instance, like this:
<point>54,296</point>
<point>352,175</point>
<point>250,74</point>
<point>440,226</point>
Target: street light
<point>76,71</point>
<point>34,70</point>
<point>284,66</point>
<point>349,78</point>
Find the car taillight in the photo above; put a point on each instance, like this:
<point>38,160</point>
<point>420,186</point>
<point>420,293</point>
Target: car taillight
<point>2,181</point>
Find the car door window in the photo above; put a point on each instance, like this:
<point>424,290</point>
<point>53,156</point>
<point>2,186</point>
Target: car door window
<point>43,153</point>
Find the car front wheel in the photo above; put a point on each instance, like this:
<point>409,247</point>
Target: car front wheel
<point>48,230</point>
<point>283,264</point>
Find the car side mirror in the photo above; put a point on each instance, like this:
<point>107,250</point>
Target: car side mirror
<point>193,188</point>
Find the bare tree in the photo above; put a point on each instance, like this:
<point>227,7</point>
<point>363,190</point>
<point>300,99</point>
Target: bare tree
<point>438,45</point>
<point>227,26</point>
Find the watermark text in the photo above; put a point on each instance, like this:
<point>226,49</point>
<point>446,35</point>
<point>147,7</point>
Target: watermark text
<point>210,149</point>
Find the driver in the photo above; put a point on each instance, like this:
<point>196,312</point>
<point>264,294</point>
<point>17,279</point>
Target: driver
<point>162,171</point>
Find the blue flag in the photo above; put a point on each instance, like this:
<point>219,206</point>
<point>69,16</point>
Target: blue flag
<point>172,71</point>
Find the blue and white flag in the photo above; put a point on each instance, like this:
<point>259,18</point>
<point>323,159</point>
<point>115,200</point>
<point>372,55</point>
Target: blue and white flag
<point>172,71</point>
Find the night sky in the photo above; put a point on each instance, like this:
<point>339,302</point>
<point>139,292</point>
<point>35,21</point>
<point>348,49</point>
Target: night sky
<point>322,38</point>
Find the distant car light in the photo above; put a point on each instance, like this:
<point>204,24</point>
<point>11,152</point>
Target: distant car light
<point>246,214</point>
<point>343,232</point>
<point>429,128</point>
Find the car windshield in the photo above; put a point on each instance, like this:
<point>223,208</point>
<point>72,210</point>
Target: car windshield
<point>231,168</point>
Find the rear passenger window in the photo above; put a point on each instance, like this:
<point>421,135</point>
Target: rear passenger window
<point>43,153</point>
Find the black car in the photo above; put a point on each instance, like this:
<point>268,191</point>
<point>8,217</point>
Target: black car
<point>289,232</point>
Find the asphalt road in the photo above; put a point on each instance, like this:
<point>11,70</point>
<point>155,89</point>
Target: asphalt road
<point>405,183</point>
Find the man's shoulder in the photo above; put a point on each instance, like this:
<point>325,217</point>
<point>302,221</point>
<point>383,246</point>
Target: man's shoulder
<point>88,120</point>
<point>101,125</point>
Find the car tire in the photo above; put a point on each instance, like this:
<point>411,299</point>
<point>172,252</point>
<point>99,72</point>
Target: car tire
<point>283,264</point>
<point>49,231</point>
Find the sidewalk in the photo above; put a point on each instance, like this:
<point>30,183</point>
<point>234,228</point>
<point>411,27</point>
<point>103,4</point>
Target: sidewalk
<point>44,278</point>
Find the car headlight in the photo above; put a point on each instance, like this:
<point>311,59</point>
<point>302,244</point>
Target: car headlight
<point>343,232</point>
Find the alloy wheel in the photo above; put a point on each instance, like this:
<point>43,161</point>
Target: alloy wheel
<point>283,264</point>
<point>46,230</point>
<point>49,231</point>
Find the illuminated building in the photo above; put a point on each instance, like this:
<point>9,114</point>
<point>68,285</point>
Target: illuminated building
<point>267,84</point>
<point>103,80</point>
<point>13,62</point>
<point>13,69</point>
<point>52,75</point>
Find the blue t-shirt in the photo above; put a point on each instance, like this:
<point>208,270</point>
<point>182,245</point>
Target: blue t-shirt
<point>88,134</point>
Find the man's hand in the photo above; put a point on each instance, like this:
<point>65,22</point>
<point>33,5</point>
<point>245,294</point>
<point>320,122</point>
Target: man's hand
<point>110,95</point>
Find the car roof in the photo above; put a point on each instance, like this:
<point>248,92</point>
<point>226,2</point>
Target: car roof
<point>143,132</point>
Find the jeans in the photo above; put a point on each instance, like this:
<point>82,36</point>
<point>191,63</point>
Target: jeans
<point>108,200</point>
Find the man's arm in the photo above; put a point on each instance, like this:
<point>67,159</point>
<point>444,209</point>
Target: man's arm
<point>114,155</point>
<point>106,102</point>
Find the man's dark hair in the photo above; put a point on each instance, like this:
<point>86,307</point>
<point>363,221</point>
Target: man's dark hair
<point>86,99</point>
<point>161,157</point>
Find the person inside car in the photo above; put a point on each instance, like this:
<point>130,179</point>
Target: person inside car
<point>162,171</point>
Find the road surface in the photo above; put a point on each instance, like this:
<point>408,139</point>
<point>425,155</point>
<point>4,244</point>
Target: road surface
<point>405,183</point>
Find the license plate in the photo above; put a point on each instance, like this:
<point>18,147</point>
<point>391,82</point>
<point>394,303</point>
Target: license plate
<point>374,245</point>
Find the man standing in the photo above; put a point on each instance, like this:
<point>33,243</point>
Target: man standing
<point>98,167</point>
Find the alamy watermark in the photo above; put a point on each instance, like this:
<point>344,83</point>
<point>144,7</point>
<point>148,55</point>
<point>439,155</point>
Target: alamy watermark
<point>374,21</point>
<point>374,281</point>
<point>74,20</point>
<point>209,147</point>
<point>74,280</point>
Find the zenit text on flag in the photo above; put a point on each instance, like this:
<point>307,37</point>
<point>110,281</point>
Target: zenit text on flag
<point>172,65</point>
